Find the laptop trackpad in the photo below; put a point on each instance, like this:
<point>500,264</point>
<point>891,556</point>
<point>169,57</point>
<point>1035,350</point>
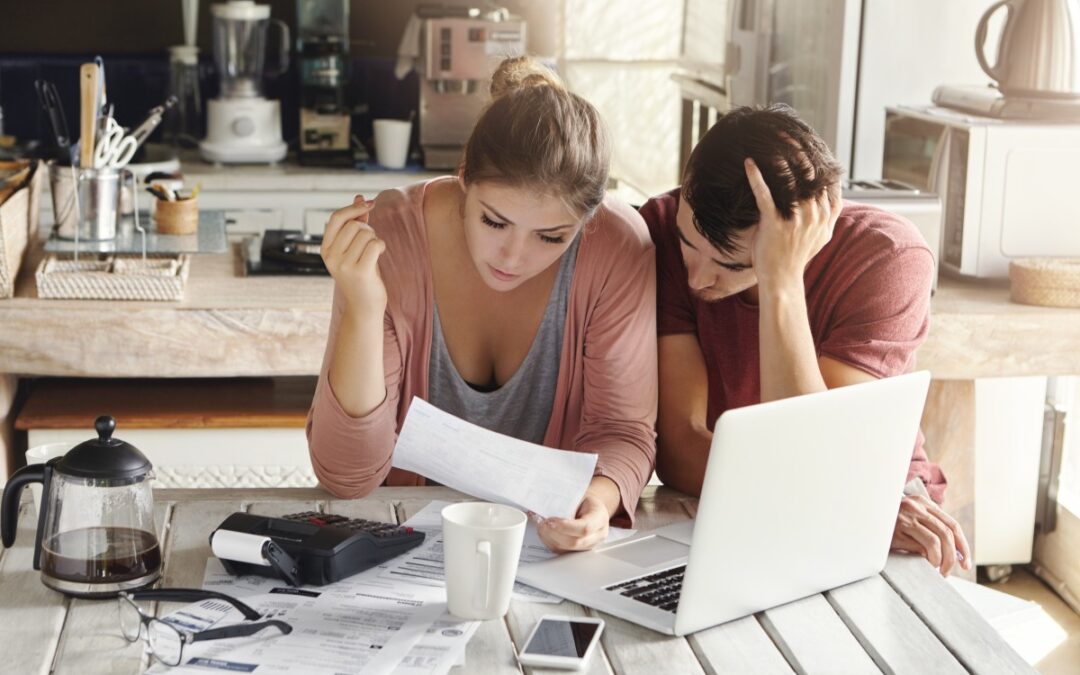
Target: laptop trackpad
<point>648,552</point>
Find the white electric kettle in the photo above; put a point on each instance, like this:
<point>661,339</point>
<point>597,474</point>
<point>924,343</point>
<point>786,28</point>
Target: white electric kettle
<point>1038,55</point>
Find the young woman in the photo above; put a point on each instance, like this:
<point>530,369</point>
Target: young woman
<point>514,295</point>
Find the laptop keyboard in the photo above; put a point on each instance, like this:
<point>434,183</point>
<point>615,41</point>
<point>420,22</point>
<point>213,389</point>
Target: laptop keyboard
<point>661,589</point>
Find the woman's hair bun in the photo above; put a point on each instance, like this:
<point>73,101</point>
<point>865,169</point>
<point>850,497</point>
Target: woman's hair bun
<point>519,72</point>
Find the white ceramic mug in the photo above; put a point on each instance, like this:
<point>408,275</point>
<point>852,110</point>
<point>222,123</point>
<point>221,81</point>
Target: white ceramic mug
<point>481,545</point>
<point>39,455</point>
<point>392,142</point>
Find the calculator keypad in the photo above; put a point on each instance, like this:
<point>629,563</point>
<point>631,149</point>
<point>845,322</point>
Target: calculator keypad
<point>377,529</point>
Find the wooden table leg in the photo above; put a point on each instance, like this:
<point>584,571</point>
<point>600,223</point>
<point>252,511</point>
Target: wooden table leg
<point>949,425</point>
<point>9,385</point>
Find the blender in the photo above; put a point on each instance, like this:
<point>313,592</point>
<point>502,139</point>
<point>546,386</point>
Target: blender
<point>242,126</point>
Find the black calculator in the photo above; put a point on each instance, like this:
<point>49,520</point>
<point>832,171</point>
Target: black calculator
<point>319,548</point>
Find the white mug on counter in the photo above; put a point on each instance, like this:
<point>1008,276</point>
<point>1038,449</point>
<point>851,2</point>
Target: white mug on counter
<point>392,142</point>
<point>481,547</point>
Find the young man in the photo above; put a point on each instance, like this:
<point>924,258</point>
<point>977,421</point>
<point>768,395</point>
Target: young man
<point>769,286</point>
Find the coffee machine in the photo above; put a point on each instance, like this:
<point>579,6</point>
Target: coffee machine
<point>460,49</point>
<point>323,47</point>
<point>242,126</point>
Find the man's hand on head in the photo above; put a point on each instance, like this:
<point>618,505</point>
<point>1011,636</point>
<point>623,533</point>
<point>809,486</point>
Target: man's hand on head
<point>783,247</point>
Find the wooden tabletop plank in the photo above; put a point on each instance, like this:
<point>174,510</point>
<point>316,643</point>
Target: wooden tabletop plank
<point>814,639</point>
<point>92,642</point>
<point>967,635</point>
<point>32,614</point>
<point>189,544</point>
<point>897,640</point>
<point>631,648</point>
<point>276,509</point>
<point>490,651</point>
<point>738,646</point>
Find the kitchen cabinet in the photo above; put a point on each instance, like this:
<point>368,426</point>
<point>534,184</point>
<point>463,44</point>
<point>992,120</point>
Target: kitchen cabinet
<point>286,195</point>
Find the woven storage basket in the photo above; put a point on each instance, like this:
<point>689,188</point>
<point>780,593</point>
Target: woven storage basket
<point>1052,282</point>
<point>156,278</point>
<point>18,225</point>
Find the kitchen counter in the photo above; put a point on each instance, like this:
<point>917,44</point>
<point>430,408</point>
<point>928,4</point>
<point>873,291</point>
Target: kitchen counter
<point>231,325</point>
<point>294,177</point>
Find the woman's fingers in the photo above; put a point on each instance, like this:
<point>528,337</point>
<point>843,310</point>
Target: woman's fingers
<point>369,257</point>
<point>358,242</point>
<point>571,535</point>
<point>348,235</point>
<point>358,210</point>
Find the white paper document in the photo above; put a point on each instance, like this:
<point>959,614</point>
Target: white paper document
<point>372,633</point>
<point>424,564</point>
<point>363,623</point>
<point>491,466</point>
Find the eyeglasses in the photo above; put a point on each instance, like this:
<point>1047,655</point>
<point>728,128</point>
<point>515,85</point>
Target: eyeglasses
<point>166,641</point>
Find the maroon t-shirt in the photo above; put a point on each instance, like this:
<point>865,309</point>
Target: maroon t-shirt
<point>867,298</point>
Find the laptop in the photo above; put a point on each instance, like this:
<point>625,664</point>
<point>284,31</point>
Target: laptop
<point>800,496</point>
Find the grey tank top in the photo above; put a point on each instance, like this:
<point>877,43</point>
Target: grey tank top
<point>522,406</point>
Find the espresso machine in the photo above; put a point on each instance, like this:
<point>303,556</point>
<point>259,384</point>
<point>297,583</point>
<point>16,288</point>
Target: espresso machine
<point>323,48</point>
<point>460,49</point>
<point>242,126</point>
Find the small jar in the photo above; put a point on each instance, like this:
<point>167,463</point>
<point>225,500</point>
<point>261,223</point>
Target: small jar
<point>179,217</point>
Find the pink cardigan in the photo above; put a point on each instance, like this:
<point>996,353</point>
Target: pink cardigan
<point>606,394</point>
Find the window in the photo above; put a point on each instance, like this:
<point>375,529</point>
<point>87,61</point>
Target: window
<point>620,55</point>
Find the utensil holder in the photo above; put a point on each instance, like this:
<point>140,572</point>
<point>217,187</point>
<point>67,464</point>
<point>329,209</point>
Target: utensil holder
<point>93,216</point>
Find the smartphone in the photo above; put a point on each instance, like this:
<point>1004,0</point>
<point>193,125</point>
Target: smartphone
<point>564,642</point>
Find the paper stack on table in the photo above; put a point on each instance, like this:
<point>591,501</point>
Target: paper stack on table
<point>491,466</point>
<point>362,623</point>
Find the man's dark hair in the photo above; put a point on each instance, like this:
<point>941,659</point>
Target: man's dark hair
<point>795,162</point>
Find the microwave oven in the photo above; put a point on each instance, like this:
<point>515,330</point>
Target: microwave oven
<point>1008,187</point>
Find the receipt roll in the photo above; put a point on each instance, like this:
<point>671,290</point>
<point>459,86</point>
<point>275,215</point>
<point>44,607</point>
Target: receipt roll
<point>241,547</point>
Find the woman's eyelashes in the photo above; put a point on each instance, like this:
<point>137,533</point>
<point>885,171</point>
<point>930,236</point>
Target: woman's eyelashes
<point>500,225</point>
<point>734,267</point>
<point>491,223</point>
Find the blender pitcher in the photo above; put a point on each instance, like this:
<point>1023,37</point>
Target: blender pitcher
<point>239,46</point>
<point>95,530</point>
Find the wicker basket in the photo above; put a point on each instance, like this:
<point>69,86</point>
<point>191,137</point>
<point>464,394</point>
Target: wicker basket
<point>1051,282</point>
<point>159,277</point>
<point>18,225</point>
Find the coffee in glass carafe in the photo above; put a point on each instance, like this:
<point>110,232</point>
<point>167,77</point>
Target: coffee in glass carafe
<point>95,535</point>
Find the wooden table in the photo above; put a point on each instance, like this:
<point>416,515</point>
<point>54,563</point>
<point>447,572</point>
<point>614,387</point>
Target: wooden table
<point>905,620</point>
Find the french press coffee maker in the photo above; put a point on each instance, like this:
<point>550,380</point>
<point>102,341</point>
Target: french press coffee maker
<point>95,531</point>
